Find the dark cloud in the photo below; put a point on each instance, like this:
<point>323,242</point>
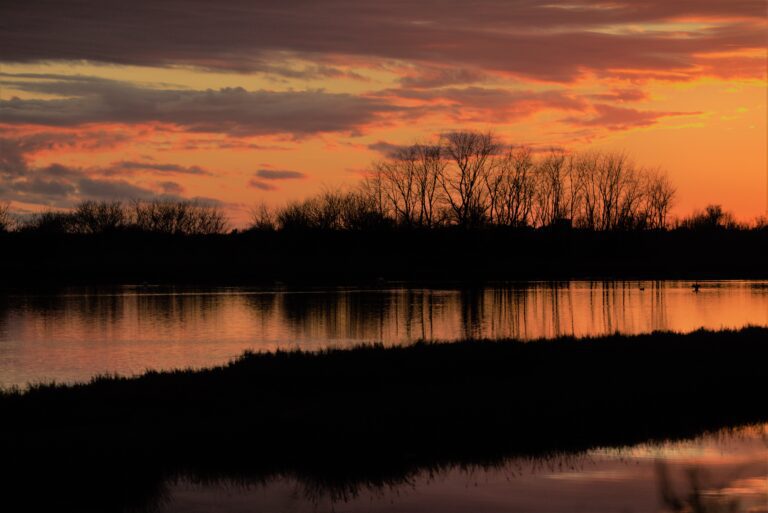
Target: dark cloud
<point>80,140</point>
<point>42,186</point>
<point>233,111</point>
<point>112,189</point>
<point>429,77</point>
<point>13,160</point>
<point>129,166</point>
<point>171,188</point>
<point>261,185</point>
<point>277,174</point>
<point>385,148</point>
<point>555,40</point>
<point>14,151</point>
<point>62,186</point>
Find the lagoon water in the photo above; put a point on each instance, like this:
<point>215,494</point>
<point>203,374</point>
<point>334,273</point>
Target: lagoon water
<point>73,334</point>
<point>723,472</point>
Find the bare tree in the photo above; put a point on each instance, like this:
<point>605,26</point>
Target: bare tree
<point>178,217</point>
<point>713,217</point>
<point>98,217</point>
<point>611,172</point>
<point>470,154</point>
<point>557,188</point>
<point>372,187</point>
<point>404,185</point>
<point>360,212</point>
<point>49,222</point>
<point>296,215</point>
<point>6,220</point>
<point>613,192</point>
<point>466,180</point>
<point>263,218</point>
<point>397,179</point>
<point>512,201</point>
<point>585,166</point>
<point>430,167</point>
<point>660,198</point>
<point>631,213</point>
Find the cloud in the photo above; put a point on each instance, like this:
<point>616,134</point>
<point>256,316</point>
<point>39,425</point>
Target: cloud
<point>62,185</point>
<point>261,185</point>
<point>45,187</point>
<point>15,151</point>
<point>232,111</point>
<point>275,174</point>
<point>171,188</point>
<point>425,77</point>
<point>13,160</point>
<point>228,143</point>
<point>385,148</point>
<point>82,140</point>
<point>619,118</point>
<point>490,104</point>
<point>130,166</point>
<point>556,40</point>
<point>112,189</point>
<point>621,95</point>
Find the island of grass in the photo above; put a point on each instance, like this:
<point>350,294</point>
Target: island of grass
<point>372,414</point>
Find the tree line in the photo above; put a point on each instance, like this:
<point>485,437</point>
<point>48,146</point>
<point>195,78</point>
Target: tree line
<point>470,179</point>
<point>465,179</point>
<point>92,217</point>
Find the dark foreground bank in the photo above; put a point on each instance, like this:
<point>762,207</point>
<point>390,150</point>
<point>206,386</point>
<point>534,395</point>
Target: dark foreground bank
<point>417,255</point>
<point>371,415</point>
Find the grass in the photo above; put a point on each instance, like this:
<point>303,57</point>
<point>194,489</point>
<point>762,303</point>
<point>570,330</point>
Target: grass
<point>372,414</point>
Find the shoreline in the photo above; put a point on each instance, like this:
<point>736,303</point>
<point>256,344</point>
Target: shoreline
<point>355,258</point>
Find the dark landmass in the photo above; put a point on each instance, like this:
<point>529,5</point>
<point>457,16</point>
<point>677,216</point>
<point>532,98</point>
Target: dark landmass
<point>369,416</point>
<point>359,257</point>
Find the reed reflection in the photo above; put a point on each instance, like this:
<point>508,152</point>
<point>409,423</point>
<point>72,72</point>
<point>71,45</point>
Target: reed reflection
<point>76,333</point>
<point>721,472</point>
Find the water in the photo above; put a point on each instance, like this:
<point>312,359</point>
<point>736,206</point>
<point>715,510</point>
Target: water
<point>729,469</point>
<point>75,334</point>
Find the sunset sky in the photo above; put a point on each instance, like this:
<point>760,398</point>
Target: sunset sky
<point>243,101</point>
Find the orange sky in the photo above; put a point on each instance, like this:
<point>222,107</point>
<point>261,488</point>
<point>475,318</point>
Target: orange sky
<point>242,102</point>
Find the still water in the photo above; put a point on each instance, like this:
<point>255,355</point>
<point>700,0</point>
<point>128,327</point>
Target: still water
<point>74,334</point>
<point>724,472</point>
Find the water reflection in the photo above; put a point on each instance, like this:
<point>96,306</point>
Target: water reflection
<point>723,472</point>
<point>77,333</point>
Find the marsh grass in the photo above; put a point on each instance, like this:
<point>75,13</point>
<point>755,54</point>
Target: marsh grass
<point>371,415</point>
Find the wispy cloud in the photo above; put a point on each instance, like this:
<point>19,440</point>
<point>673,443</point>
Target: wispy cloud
<point>131,166</point>
<point>619,118</point>
<point>262,185</point>
<point>278,174</point>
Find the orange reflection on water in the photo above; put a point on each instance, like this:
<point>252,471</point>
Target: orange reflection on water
<point>80,333</point>
<point>725,471</point>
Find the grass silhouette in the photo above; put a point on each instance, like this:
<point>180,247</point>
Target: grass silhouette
<point>371,415</point>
